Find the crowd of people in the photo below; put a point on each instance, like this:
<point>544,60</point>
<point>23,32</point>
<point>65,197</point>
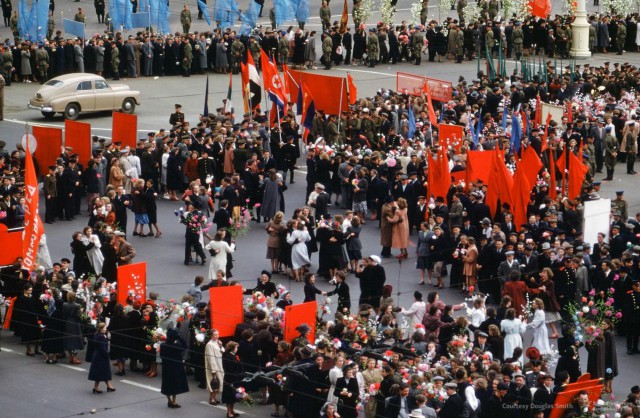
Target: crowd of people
<point>367,165</point>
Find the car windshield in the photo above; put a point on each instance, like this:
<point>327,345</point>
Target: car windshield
<point>54,83</point>
<point>101,84</point>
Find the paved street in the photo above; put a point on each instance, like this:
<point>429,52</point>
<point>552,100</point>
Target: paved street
<point>31,388</point>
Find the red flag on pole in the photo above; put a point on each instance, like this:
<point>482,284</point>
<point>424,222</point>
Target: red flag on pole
<point>561,163</point>
<point>552,173</point>
<point>33,228</point>
<point>344,19</point>
<point>352,90</point>
<point>431,112</point>
<point>545,133</point>
<point>577,172</point>
<point>540,8</point>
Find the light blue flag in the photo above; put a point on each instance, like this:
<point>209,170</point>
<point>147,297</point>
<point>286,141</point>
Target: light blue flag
<point>42,20</point>
<point>285,11</point>
<point>154,13</point>
<point>516,133</point>
<point>128,11</point>
<point>249,18</point>
<point>143,6</point>
<point>32,25</point>
<point>23,18</point>
<point>114,14</point>
<point>229,15</point>
<point>302,11</point>
<point>163,25</point>
<point>205,11</point>
<point>140,20</point>
<point>73,28</point>
<point>412,123</point>
<point>221,10</point>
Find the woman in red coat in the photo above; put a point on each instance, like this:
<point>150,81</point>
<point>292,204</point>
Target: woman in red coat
<point>517,290</point>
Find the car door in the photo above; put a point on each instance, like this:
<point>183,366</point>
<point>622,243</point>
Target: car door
<point>85,96</point>
<point>103,95</point>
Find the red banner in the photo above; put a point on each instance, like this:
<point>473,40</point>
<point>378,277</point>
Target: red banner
<point>77,135</point>
<point>124,128</point>
<point>451,135</point>
<point>441,90</point>
<point>132,282</point>
<point>33,228</point>
<point>49,141</point>
<point>540,8</point>
<point>304,313</point>
<point>226,309</point>
<point>564,399</point>
<point>329,93</point>
<point>10,245</point>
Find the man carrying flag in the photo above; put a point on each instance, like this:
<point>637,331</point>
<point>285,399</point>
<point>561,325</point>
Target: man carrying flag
<point>273,85</point>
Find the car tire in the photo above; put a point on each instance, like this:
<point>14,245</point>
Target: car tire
<point>48,115</point>
<point>72,111</point>
<point>128,105</point>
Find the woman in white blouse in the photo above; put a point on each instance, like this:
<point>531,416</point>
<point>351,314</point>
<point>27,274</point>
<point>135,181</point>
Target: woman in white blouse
<point>513,328</point>
<point>213,364</point>
<point>334,374</point>
<point>539,325</point>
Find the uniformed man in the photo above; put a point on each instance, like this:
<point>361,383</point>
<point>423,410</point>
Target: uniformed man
<point>272,18</point>
<point>42,63</point>
<point>327,47</point>
<point>630,145</point>
<point>631,313</point>
<point>13,23</point>
<point>2,83</point>
<point>333,133</point>
<point>493,9</point>
<point>424,12</point>
<point>51,26</point>
<point>417,42</point>
<point>177,116</point>
<point>620,205</point>
<point>80,16</point>
<point>185,19</point>
<point>325,16</point>
<point>461,5</point>
<point>254,50</point>
<point>50,187</point>
<point>518,39</point>
<point>115,62</point>
<point>489,40</point>
<point>458,44</point>
<point>621,36</point>
<point>373,48</point>
<point>367,126</point>
<point>187,57</point>
<point>237,50</point>
<point>610,152</point>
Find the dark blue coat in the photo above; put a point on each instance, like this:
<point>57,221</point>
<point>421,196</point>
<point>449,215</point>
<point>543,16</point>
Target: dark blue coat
<point>100,370</point>
<point>174,378</point>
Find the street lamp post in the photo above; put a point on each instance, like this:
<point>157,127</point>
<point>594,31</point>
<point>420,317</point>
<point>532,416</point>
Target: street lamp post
<point>580,32</point>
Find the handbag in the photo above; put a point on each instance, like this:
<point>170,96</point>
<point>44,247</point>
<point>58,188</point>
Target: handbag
<point>215,382</point>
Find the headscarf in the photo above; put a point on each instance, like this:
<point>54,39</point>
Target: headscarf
<point>470,393</point>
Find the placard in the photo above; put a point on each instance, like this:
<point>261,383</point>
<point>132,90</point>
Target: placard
<point>132,282</point>
<point>557,112</point>
<point>49,141</point>
<point>77,135</point>
<point>303,313</point>
<point>124,128</point>
<point>226,309</point>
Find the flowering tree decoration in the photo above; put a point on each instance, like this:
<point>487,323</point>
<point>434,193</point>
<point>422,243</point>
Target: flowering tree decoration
<point>387,12</point>
<point>589,314</point>
<point>362,13</point>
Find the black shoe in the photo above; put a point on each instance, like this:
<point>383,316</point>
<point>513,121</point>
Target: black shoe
<point>631,353</point>
<point>202,386</point>
<point>186,263</point>
<point>204,260</point>
<point>122,373</point>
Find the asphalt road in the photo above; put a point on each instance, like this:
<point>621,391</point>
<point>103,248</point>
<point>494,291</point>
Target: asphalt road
<point>32,388</point>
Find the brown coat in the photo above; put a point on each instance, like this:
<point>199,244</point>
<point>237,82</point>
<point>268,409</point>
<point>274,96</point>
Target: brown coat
<point>386,227</point>
<point>116,176</point>
<point>400,229</point>
<point>125,250</point>
<point>274,237</point>
<point>470,268</point>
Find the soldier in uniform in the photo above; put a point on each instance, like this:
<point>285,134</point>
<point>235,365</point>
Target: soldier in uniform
<point>620,205</point>
<point>367,125</point>
<point>185,19</point>
<point>2,83</point>
<point>7,65</point>
<point>630,145</point>
<point>237,49</point>
<point>461,5</point>
<point>51,26</point>
<point>489,40</point>
<point>177,116</point>
<point>518,40</point>
<point>327,47</point>
<point>621,36</point>
<point>373,48</point>
<point>115,62</point>
<point>272,18</point>
<point>631,313</point>
<point>333,133</point>
<point>424,12</point>
<point>254,50</point>
<point>458,44</point>
<point>325,16</point>
<point>80,16</point>
<point>13,23</point>
<point>187,57</point>
<point>42,63</point>
<point>493,9</point>
<point>50,188</point>
<point>417,42</point>
<point>610,152</point>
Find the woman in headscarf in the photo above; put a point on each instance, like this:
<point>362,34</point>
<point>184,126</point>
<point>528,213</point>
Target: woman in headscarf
<point>174,378</point>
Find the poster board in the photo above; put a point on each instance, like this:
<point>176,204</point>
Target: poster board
<point>49,141</point>
<point>441,90</point>
<point>557,112</point>
<point>303,313</point>
<point>132,280</point>
<point>77,135</point>
<point>124,128</point>
<point>596,218</point>
<point>226,309</point>
<point>451,135</point>
<point>563,400</point>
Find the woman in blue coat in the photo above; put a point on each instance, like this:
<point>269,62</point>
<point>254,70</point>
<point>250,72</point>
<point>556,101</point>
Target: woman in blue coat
<point>174,378</point>
<point>100,370</point>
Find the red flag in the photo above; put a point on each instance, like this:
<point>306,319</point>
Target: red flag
<point>521,194</point>
<point>344,19</point>
<point>431,112</point>
<point>33,228</point>
<point>451,135</point>
<point>352,90</point>
<point>244,75</point>
<point>552,173</point>
<point>538,120</point>
<point>561,163</point>
<point>500,183</point>
<point>540,8</point>
<point>577,172</point>
<point>545,133</point>
<point>308,107</point>
<point>569,112</point>
<point>530,165</point>
<point>273,85</point>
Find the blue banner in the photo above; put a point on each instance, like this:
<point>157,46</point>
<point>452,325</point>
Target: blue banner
<point>302,11</point>
<point>143,6</point>
<point>74,28</point>
<point>163,18</point>
<point>43,19</point>
<point>154,13</point>
<point>285,11</point>
<point>140,20</point>
<point>114,14</point>
<point>249,18</point>
<point>205,11</point>
<point>23,18</point>
<point>120,12</point>
<point>229,15</point>
<point>412,123</point>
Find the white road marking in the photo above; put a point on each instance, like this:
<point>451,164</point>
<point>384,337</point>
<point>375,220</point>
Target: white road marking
<point>364,71</point>
<point>221,407</point>
<point>78,369</point>
<point>140,385</point>
<point>8,350</point>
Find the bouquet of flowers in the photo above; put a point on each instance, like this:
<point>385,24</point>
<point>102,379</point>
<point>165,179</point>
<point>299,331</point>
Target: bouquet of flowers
<point>244,397</point>
<point>527,309</point>
<point>459,349</point>
<point>589,314</point>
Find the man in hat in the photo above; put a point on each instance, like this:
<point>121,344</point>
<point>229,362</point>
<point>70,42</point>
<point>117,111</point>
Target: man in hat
<point>327,47</point>
<point>372,277</point>
<point>50,188</point>
<point>621,205</point>
<point>520,394</point>
<point>194,221</point>
<point>610,152</point>
<point>177,116</point>
<point>544,397</point>
<point>373,48</point>
<point>453,406</point>
<point>124,250</point>
<point>401,404</point>
<point>631,313</point>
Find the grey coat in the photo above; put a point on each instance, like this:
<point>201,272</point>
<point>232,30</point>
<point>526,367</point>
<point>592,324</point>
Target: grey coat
<point>99,58</point>
<point>72,326</point>
<point>271,199</point>
<point>202,54</point>
<point>424,243</point>
<point>25,64</point>
<point>221,55</point>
